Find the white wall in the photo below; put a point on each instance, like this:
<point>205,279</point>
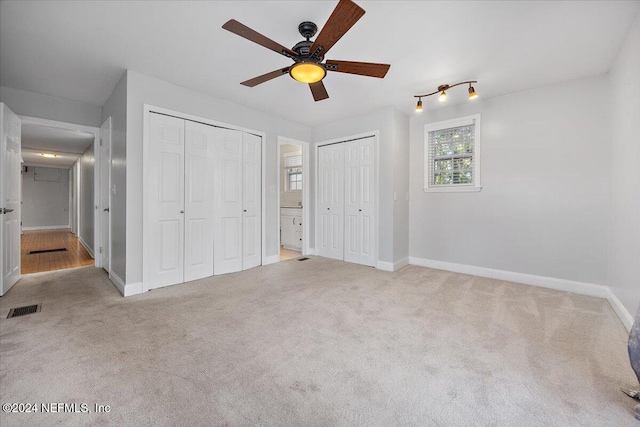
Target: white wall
<point>401,188</point>
<point>45,204</point>
<point>116,108</point>
<point>25,103</point>
<point>87,164</point>
<point>147,90</point>
<point>542,208</point>
<point>388,122</point>
<point>624,200</point>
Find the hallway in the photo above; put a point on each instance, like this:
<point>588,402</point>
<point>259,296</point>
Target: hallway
<point>39,240</point>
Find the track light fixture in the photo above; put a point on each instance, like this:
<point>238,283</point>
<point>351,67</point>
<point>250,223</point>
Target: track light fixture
<point>442,90</point>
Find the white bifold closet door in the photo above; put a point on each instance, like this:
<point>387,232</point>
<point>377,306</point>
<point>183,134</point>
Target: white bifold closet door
<point>238,201</point>
<point>359,223</point>
<point>198,198</point>
<point>331,201</point>
<point>346,201</point>
<point>179,200</point>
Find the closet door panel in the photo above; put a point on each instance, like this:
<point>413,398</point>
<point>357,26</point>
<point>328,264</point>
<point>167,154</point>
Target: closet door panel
<point>252,201</point>
<point>331,201</point>
<point>352,196</point>
<point>164,263</point>
<point>366,189</point>
<point>199,146</point>
<point>227,233</point>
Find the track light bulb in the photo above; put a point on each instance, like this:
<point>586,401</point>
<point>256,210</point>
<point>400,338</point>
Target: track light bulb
<point>419,106</point>
<point>472,93</point>
<point>443,96</point>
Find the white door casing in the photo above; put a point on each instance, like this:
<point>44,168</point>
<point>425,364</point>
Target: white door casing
<point>105,193</point>
<point>10,175</point>
<point>227,251</point>
<point>199,149</point>
<point>359,245</point>
<point>251,201</point>
<point>164,167</point>
<point>331,201</point>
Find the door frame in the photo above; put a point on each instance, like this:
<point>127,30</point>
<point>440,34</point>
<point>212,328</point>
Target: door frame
<point>108,189</point>
<point>147,109</point>
<point>306,226</point>
<point>376,206</point>
<point>97,220</point>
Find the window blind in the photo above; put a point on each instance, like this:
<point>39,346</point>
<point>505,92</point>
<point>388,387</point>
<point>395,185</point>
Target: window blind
<point>293,161</point>
<point>451,156</point>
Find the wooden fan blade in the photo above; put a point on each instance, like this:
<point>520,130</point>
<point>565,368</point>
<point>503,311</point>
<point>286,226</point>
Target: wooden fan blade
<point>319,91</point>
<point>344,16</point>
<point>361,68</point>
<point>249,34</point>
<point>265,77</point>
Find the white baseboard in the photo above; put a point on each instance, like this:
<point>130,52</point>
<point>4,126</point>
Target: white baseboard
<point>392,266</point>
<point>131,289</point>
<point>582,288</point>
<point>625,317</point>
<point>271,259</point>
<point>87,247</point>
<point>116,280</point>
<point>384,266</point>
<point>400,263</point>
<point>126,290</point>
<point>46,227</point>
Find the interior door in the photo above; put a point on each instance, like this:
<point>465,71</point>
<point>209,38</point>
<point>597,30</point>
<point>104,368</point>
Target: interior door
<point>360,201</point>
<point>198,255</point>
<point>331,201</point>
<point>227,228</point>
<point>164,170</point>
<point>105,193</point>
<point>251,201</point>
<point>10,164</point>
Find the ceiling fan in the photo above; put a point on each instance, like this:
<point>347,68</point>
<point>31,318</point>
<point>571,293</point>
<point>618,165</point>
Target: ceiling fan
<point>308,55</point>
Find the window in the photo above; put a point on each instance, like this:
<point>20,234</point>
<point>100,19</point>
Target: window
<point>293,171</point>
<point>294,178</point>
<point>452,155</point>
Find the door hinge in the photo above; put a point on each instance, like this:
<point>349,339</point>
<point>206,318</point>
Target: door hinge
<point>100,141</point>
<point>100,249</point>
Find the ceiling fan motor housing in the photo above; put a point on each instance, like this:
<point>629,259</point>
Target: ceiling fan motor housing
<point>303,48</point>
<point>307,29</point>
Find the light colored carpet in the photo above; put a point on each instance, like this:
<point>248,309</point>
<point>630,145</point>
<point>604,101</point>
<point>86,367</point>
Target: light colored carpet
<point>318,342</point>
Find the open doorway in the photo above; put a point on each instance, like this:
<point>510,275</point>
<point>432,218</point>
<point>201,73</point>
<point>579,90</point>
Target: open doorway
<point>58,195</point>
<point>293,198</point>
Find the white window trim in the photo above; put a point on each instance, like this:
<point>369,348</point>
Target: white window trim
<point>286,173</point>
<point>446,124</point>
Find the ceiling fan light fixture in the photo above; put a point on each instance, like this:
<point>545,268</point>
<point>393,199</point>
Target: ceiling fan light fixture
<point>472,92</point>
<point>419,106</point>
<point>307,72</point>
<point>443,96</point>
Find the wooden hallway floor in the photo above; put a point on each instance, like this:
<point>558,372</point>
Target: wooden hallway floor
<point>37,240</point>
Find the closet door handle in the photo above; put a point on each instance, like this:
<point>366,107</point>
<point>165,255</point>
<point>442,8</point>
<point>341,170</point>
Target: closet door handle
<point>294,220</point>
<point>181,211</point>
<point>359,210</point>
<point>245,210</point>
<point>328,209</point>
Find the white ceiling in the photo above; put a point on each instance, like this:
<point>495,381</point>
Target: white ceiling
<point>67,145</point>
<point>78,50</point>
